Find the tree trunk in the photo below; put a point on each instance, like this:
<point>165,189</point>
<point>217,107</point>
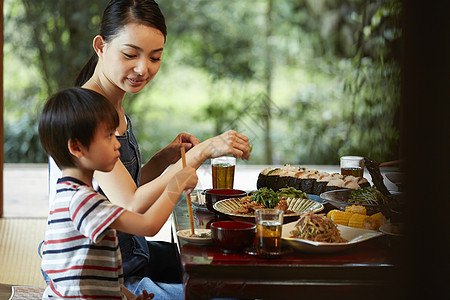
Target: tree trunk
<point>268,83</point>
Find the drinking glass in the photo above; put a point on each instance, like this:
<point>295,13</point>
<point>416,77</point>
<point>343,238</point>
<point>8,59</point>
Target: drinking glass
<point>223,172</point>
<point>352,165</point>
<point>269,224</point>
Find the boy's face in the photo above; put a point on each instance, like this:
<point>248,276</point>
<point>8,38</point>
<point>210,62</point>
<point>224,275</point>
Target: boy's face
<point>103,152</point>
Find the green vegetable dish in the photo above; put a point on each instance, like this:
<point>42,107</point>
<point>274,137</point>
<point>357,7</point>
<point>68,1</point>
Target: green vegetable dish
<point>266,197</point>
<point>291,192</point>
<point>269,198</point>
<point>367,195</point>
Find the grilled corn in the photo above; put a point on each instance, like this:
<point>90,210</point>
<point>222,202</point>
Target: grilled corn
<point>339,217</point>
<point>361,221</point>
<point>356,209</point>
<point>379,219</point>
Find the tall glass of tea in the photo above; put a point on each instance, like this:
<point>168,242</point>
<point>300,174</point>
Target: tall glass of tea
<point>352,165</point>
<point>269,224</point>
<point>223,172</point>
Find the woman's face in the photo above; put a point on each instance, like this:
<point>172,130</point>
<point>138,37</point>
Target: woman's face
<point>133,57</point>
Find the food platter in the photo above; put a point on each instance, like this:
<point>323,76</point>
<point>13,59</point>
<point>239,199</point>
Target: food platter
<point>298,205</point>
<point>354,236</point>
<point>339,199</point>
<point>204,239</point>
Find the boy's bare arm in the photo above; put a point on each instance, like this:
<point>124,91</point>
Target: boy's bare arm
<point>150,222</point>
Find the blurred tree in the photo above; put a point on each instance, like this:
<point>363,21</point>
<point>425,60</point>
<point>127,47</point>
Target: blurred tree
<point>50,41</point>
<point>307,80</point>
<point>348,48</point>
<point>231,40</point>
<point>374,88</point>
<point>61,31</point>
<point>359,46</point>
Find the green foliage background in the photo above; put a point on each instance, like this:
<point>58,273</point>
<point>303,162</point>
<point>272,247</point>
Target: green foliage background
<point>306,80</point>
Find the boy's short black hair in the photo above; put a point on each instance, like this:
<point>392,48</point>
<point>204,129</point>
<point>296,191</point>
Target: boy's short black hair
<point>74,113</point>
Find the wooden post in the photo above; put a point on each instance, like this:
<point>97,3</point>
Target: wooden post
<point>1,108</point>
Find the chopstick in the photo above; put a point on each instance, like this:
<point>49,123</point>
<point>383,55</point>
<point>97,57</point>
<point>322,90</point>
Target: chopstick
<point>188,196</point>
<point>388,163</point>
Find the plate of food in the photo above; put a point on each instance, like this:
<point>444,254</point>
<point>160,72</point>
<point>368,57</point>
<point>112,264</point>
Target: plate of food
<point>201,236</point>
<point>315,233</point>
<point>369,197</point>
<point>244,208</point>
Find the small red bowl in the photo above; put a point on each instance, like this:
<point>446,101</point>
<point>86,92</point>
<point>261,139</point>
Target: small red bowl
<point>233,236</point>
<point>214,195</point>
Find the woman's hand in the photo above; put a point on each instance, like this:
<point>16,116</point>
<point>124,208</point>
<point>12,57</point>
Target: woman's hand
<point>167,156</point>
<point>171,152</point>
<point>230,142</point>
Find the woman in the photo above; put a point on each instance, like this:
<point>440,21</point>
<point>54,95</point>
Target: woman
<point>128,54</point>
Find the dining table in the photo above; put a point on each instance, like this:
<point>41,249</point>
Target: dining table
<point>371,269</point>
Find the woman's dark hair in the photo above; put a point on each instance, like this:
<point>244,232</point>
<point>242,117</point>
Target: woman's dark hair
<point>117,14</point>
<point>74,113</point>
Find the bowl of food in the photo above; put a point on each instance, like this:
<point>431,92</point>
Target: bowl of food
<point>215,195</point>
<point>369,197</point>
<point>233,236</point>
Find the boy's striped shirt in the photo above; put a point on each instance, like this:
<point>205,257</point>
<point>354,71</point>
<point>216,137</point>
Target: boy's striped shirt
<point>81,253</point>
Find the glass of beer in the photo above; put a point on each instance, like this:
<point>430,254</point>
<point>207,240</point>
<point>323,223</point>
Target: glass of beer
<point>269,223</point>
<point>352,165</point>
<point>223,172</point>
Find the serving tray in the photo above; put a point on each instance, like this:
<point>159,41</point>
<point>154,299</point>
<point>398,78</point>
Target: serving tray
<point>297,205</point>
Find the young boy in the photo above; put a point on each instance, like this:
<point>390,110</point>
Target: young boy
<point>81,254</point>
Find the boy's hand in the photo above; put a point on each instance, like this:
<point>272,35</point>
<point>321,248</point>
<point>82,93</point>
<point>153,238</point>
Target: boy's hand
<point>191,179</point>
<point>184,180</point>
<point>131,296</point>
<point>145,296</point>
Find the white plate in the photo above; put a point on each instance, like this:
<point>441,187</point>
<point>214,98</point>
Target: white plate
<point>352,235</point>
<point>185,235</point>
